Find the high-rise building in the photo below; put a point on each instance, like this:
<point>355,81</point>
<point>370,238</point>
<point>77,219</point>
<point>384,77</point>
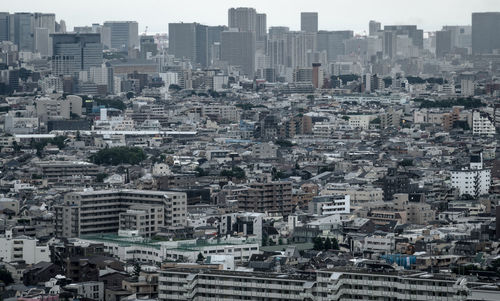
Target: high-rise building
<point>416,35</point>
<point>42,41</point>
<point>238,49</point>
<point>189,41</point>
<point>485,32</point>
<point>261,27</point>
<point>4,26</point>
<point>148,45</point>
<point>443,43</point>
<point>22,31</point>
<point>73,52</point>
<point>243,18</point>
<point>333,42</point>
<point>124,35</point>
<point>309,21</point>
<point>374,27</point>
<point>48,21</point>
<point>461,36</point>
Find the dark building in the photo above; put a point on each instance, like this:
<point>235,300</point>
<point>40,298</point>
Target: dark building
<point>333,42</point>
<point>309,22</point>
<point>443,43</point>
<point>148,45</point>
<point>189,41</point>
<point>416,35</point>
<point>73,52</point>
<point>68,125</point>
<point>485,33</point>
<point>40,272</point>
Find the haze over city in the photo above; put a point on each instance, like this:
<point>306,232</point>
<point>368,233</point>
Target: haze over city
<point>334,15</point>
<point>250,150</point>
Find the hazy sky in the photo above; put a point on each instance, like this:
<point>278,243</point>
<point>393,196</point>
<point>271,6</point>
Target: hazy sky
<point>333,14</point>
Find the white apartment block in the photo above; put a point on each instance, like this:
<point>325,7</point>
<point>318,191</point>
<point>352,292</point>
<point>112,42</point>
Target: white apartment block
<point>156,252</point>
<point>145,219</point>
<point>360,121</point>
<point>22,248</point>
<point>330,204</point>
<point>474,181</point>
<point>334,284</point>
<point>97,212</point>
<point>482,124</point>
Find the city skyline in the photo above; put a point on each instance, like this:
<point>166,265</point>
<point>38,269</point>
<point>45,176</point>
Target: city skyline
<point>156,16</point>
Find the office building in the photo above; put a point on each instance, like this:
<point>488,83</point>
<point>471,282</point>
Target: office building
<point>461,36</point>
<point>333,42</point>
<point>416,35</point>
<point>94,212</point>
<point>243,18</point>
<point>443,43</point>
<point>486,33</point>
<point>124,35</point>
<point>238,49</point>
<point>4,26</point>
<point>309,22</point>
<point>374,27</point>
<point>22,31</point>
<point>148,46</point>
<point>189,41</point>
<point>73,52</point>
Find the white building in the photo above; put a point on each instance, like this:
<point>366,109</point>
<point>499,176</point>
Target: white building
<point>244,223</point>
<point>330,204</point>
<point>482,124</point>
<point>90,290</point>
<point>360,121</point>
<point>264,150</point>
<point>22,248</point>
<point>474,181</point>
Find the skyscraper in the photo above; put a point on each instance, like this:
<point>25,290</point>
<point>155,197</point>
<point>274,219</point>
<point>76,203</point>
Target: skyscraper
<point>443,43</point>
<point>23,35</point>
<point>73,52</point>
<point>4,26</point>
<point>189,41</point>
<point>243,18</point>
<point>238,49</point>
<point>485,32</point>
<point>309,21</point>
<point>124,35</point>
<point>416,35</point>
<point>333,42</point>
<point>374,27</point>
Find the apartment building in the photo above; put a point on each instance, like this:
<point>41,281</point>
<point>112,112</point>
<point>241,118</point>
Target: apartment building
<point>343,283</point>
<point>145,219</point>
<point>482,123</point>
<point>330,204</point>
<point>55,171</point>
<point>22,248</point>
<point>199,284</point>
<point>96,212</point>
<point>474,180</point>
<point>270,197</point>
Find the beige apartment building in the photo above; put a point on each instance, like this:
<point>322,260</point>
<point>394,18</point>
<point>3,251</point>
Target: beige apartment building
<point>97,212</point>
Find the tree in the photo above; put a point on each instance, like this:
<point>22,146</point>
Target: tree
<point>130,95</point>
<point>200,172</point>
<point>406,162</point>
<point>265,239</point>
<point>100,177</point>
<point>6,277</point>
<point>318,243</point>
<point>200,257</point>
<point>119,155</point>
<point>280,241</point>
<point>137,269</point>
<point>335,244</point>
<point>328,244</point>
